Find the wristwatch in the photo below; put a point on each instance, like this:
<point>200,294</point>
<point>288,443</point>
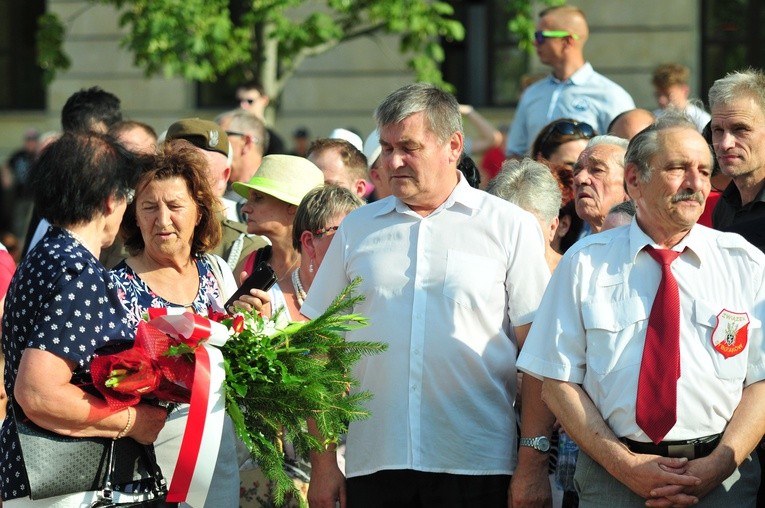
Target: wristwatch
<point>539,443</point>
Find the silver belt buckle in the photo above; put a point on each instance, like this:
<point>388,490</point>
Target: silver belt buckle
<point>686,450</point>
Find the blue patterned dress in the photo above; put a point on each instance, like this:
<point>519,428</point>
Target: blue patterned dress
<point>137,297</point>
<point>61,300</point>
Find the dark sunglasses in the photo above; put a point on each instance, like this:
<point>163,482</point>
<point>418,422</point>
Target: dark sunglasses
<point>541,35</point>
<point>243,135</point>
<point>568,128</point>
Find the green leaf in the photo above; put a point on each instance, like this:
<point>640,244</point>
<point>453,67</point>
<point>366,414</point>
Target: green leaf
<point>202,40</point>
<point>50,40</point>
<point>274,383</point>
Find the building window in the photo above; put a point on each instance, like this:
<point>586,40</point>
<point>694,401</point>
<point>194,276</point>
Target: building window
<point>732,38</point>
<point>22,84</point>
<point>487,66</point>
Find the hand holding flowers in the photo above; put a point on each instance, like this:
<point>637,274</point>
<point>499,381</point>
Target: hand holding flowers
<point>275,379</point>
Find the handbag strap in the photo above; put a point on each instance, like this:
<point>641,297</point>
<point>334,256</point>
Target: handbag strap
<point>105,496</point>
<point>159,489</point>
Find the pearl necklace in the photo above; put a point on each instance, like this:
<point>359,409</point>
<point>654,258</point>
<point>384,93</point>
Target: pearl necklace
<point>76,237</point>
<point>299,291</point>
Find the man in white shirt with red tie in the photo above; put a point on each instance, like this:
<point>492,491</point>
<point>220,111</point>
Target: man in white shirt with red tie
<point>660,420</point>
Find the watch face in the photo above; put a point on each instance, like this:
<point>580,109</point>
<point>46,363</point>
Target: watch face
<point>542,444</point>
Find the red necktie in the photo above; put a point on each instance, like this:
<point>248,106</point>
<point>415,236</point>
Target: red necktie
<point>656,410</point>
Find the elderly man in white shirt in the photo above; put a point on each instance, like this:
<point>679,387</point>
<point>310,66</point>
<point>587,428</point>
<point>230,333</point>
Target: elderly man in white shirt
<point>452,277</point>
<point>603,350</point>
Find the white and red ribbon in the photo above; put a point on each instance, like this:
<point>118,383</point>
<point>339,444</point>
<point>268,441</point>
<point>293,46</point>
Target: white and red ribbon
<point>201,439</point>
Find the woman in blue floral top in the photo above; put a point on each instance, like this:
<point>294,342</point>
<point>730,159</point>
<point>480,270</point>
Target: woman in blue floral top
<point>62,309</point>
<point>167,230</point>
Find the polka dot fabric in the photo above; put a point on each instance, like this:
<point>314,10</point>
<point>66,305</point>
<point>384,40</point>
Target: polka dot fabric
<point>61,300</point>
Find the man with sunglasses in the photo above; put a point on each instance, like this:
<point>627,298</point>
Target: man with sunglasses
<point>248,137</point>
<point>573,90</point>
<point>252,97</point>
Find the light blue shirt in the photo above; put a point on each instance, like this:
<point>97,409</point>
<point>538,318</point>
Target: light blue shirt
<point>586,96</point>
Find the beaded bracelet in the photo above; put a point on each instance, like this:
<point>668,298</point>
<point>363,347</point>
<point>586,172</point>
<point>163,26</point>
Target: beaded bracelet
<point>127,426</point>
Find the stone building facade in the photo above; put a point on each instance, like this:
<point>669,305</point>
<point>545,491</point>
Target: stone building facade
<point>342,87</point>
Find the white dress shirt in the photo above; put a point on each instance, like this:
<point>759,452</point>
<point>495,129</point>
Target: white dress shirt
<point>443,292</point>
<point>591,325</point>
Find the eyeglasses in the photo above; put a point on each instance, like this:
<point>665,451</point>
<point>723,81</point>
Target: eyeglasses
<point>244,135</point>
<point>568,128</point>
<point>324,231</point>
<point>541,35</point>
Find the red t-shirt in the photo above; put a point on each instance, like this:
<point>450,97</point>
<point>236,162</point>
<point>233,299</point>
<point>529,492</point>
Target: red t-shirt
<point>706,217</point>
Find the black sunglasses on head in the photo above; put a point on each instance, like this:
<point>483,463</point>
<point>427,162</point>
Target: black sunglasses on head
<point>568,128</point>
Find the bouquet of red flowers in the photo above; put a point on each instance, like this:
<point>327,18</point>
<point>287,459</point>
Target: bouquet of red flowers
<point>275,379</point>
<point>160,364</point>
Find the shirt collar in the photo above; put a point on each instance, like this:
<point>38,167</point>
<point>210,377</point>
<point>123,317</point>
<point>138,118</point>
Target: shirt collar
<point>580,77</point>
<point>462,196</point>
<point>732,195</point>
<point>695,242</point>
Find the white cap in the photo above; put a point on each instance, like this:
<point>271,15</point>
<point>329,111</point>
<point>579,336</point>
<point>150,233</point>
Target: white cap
<point>347,135</point>
<point>372,148</point>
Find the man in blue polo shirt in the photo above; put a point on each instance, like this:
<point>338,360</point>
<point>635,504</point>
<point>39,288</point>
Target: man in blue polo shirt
<point>573,90</point>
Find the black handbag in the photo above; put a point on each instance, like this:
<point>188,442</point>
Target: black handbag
<point>57,465</point>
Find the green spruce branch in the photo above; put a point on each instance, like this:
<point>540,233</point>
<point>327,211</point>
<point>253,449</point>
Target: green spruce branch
<point>275,383</point>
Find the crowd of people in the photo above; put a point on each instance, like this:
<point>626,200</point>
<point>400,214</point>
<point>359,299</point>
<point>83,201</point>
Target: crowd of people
<point>600,303</point>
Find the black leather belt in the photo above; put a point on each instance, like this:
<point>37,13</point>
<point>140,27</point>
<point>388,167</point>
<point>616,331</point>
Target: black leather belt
<point>692,448</point>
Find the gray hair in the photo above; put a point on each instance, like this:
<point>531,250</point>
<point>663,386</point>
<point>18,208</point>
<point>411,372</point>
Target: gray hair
<point>646,143</point>
<point>530,185</point>
<point>750,83</point>
<point>441,109</point>
<point>607,139</point>
<point>319,206</point>
<point>244,121</point>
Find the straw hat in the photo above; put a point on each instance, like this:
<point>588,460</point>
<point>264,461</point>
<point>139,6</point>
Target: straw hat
<point>285,177</point>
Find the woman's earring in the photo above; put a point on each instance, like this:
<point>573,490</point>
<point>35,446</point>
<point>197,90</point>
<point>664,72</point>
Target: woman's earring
<point>310,267</point>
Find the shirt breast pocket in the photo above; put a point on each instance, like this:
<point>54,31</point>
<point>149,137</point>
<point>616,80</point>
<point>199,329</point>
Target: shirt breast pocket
<point>611,328</point>
<point>470,278</point>
<point>726,327</point>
